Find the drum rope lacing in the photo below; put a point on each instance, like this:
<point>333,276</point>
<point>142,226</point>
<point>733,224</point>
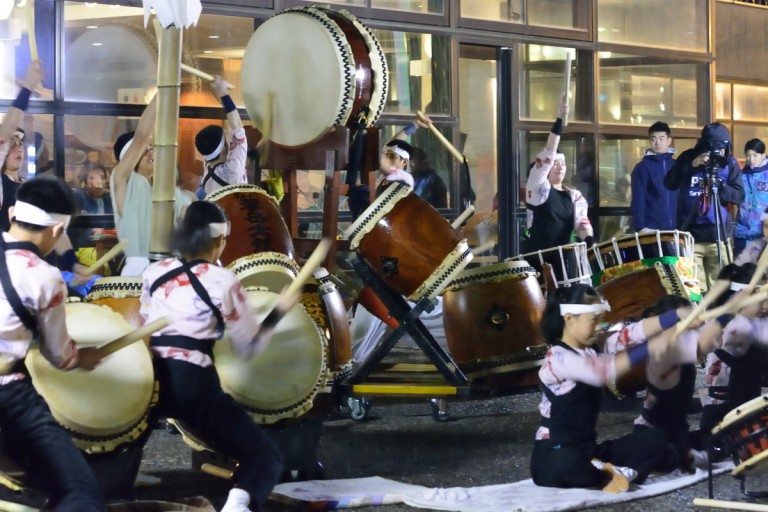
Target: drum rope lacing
<point>434,288</point>
<point>269,261</point>
<point>373,213</point>
<point>473,279</point>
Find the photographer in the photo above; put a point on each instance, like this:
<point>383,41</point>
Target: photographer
<point>696,173</point>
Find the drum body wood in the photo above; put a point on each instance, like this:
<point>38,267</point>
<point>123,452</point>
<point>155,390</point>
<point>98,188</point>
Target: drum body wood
<point>256,222</point>
<point>281,382</point>
<point>121,294</point>
<point>108,406</point>
<point>321,66</point>
<point>745,431</point>
<point>569,263</point>
<point>629,296</point>
<point>491,316</point>
<point>271,270</point>
<point>408,244</point>
<point>640,246</point>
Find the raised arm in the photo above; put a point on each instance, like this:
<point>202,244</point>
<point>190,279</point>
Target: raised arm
<point>122,171</point>
<point>15,115</point>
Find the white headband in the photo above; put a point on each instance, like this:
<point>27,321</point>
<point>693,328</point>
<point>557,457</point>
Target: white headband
<point>125,149</point>
<point>400,151</point>
<point>31,214</point>
<point>737,287</point>
<point>559,156</point>
<point>219,229</point>
<point>216,152</point>
<point>578,309</point>
<point>19,134</point>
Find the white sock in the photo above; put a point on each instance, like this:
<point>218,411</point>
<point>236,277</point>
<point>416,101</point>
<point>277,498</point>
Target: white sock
<point>237,501</point>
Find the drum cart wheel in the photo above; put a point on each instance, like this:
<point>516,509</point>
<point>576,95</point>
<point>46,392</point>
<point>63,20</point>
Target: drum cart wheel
<point>440,409</point>
<point>359,407</point>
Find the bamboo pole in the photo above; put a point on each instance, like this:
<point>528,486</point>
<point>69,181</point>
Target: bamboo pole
<point>166,140</point>
<point>567,87</point>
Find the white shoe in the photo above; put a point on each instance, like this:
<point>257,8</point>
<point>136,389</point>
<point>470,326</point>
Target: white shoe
<point>237,501</point>
<point>621,476</point>
<point>700,458</point>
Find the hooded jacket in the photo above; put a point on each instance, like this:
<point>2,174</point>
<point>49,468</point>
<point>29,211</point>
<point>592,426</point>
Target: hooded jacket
<point>691,181</point>
<point>748,223</point>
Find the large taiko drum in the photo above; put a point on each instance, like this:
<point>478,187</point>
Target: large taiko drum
<point>745,432</point>
<point>491,316</point>
<point>281,382</point>
<point>408,244</point>
<point>256,222</point>
<point>640,246</point>
<point>569,262</point>
<point>121,294</point>
<point>271,270</point>
<point>322,67</point>
<point>107,407</point>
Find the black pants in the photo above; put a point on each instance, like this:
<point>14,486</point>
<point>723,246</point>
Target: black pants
<point>46,451</point>
<point>570,466</point>
<point>193,395</point>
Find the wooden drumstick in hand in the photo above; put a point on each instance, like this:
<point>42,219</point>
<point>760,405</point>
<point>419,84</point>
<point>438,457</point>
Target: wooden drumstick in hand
<point>735,307</point>
<point>114,251</point>
<point>266,134</point>
<point>133,336</point>
<point>760,268</point>
<point>567,86</point>
<point>30,12</point>
<point>720,287</point>
<point>432,128</point>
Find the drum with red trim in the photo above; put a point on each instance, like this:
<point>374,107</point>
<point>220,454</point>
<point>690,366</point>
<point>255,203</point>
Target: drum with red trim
<point>321,67</point>
<point>745,431</point>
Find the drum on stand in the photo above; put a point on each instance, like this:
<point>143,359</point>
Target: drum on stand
<point>256,222</point>
<point>107,407</point>
<point>491,316</point>
<point>639,246</point>
<point>344,74</point>
<point>281,382</point>
<point>121,294</point>
<point>569,263</point>
<point>271,270</point>
<point>408,244</point>
<point>745,432</point>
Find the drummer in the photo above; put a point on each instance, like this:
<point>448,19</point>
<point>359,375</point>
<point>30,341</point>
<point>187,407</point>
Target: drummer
<point>131,191</point>
<point>393,166</point>
<point>224,157</point>
<point>554,210</point>
<point>33,309</point>
<point>202,299</point>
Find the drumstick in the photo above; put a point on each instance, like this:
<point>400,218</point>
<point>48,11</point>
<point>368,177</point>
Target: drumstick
<point>487,246</point>
<point>314,261</point>
<point>133,336</point>
<point>760,268</point>
<point>114,251</point>
<point>267,133</point>
<point>736,306</point>
<point>31,29</point>
<point>456,224</point>
<point>720,286</point>
<point>731,505</point>
<point>202,74</point>
<point>567,84</point>
<point>455,152</point>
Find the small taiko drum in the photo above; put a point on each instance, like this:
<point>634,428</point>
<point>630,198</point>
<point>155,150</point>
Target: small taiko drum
<point>408,244</point>
<point>322,68</point>
<point>745,432</point>
<point>282,381</point>
<point>640,246</point>
<point>323,301</point>
<point>109,406</point>
<point>256,222</point>
<point>569,263</point>
<point>121,294</point>
<point>491,316</point>
<point>271,270</point>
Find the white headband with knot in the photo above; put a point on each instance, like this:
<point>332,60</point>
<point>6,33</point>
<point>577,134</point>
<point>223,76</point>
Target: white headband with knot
<point>216,152</point>
<point>559,156</point>
<point>125,149</point>
<point>31,214</point>
<point>400,151</point>
<point>219,229</point>
<point>737,287</point>
<point>19,134</point>
<point>578,309</point>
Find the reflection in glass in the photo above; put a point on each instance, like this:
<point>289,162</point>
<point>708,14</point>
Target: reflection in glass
<point>683,23</point>
<point>427,6</point>
<point>723,101</point>
<point>613,226</point>
<point>544,81</point>
<point>749,103</point>
<point>111,57</point>
<point>419,72</point>
<point>542,13</point>
<point>642,90</point>
<point>511,11</point>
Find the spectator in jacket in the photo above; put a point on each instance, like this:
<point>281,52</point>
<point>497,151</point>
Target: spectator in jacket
<point>749,223</point>
<point>653,205</point>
